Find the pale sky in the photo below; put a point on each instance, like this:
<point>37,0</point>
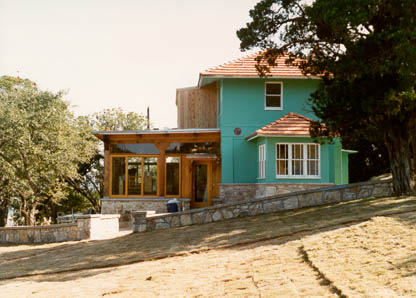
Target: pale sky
<point>128,54</point>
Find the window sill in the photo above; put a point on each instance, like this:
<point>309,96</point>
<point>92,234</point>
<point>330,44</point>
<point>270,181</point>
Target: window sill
<point>273,109</point>
<point>299,177</point>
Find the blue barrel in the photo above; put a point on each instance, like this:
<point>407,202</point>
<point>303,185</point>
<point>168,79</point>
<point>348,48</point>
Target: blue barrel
<point>172,207</point>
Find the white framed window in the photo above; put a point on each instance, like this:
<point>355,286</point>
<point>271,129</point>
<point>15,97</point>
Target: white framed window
<point>273,96</point>
<point>312,159</point>
<point>262,162</point>
<point>297,160</point>
<point>282,157</point>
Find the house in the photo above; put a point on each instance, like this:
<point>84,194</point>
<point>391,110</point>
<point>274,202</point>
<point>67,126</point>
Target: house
<point>239,136</point>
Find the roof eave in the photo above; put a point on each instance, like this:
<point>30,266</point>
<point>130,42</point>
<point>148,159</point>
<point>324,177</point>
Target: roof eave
<point>257,135</point>
<point>251,137</point>
<point>231,76</point>
<point>349,151</point>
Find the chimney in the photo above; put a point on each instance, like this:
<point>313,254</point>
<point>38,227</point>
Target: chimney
<point>148,118</point>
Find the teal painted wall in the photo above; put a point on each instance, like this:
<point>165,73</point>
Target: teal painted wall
<point>345,178</point>
<point>241,104</point>
<point>337,162</point>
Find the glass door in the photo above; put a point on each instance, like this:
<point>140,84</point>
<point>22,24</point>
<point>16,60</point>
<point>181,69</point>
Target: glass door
<point>201,182</point>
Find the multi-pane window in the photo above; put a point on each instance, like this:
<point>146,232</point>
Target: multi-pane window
<point>262,162</point>
<point>173,169</point>
<point>118,175</point>
<point>297,160</point>
<point>133,175</point>
<point>313,159</point>
<point>273,96</point>
<point>282,158</point>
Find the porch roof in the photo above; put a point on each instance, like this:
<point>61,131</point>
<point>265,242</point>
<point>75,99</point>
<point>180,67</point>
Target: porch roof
<point>169,135</point>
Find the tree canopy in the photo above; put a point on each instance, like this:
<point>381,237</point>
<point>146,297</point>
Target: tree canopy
<point>117,119</point>
<point>49,160</point>
<point>41,145</point>
<point>365,53</point>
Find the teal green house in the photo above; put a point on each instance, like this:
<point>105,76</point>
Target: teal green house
<point>265,146</point>
<point>239,137</point>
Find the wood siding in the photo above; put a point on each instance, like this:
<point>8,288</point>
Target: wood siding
<point>197,107</point>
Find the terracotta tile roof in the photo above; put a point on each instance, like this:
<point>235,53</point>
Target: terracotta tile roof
<point>291,124</point>
<point>245,67</point>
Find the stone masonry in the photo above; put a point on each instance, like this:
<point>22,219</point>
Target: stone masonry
<point>124,207</point>
<point>237,192</point>
<point>145,221</point>
<point>40,234</point>
<point>94,226</point>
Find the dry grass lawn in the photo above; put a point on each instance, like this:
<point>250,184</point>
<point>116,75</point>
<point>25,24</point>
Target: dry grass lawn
<point>329,251</point>
<point>374,259</point>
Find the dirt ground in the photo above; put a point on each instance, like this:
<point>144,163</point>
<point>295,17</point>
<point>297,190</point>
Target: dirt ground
<point>329,251</point>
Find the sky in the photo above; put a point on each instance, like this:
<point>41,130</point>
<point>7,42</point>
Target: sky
<point>127,53</point>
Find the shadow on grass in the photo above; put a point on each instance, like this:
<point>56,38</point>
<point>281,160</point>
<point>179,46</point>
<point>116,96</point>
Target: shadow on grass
<point>409,266</point>
<point>72,258</point>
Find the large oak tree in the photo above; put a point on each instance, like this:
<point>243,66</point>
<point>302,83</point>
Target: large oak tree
<point>365,52</point>
<point>41,145</point>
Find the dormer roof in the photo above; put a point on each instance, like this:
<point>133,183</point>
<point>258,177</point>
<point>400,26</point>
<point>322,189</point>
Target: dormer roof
<point>292,124</point>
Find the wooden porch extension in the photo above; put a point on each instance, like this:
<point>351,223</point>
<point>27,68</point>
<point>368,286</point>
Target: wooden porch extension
<point>176,163</point>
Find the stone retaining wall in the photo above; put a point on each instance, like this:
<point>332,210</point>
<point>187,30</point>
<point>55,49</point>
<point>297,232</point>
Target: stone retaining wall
<point>40,234</point>
<point>94,226</point>
<point>144,221</point>
<point>124,206</point>
<point>237,192</point>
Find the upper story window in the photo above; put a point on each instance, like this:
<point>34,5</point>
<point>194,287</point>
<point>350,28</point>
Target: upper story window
<point>273,96</point>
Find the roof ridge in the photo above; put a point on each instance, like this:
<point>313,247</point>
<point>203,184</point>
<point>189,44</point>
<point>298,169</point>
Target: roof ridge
<point>242,58</point>
<point>246,66</point>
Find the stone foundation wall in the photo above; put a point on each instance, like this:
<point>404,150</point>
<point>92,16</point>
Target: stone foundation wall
<point>237,192</point>
<point>94,226</point>
<point>144,221</point>
<point>124,207</point>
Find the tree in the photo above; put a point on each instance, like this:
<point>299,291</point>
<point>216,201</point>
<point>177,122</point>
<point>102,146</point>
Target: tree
<point>371,160</point>
<point>365,52</point>
<point>40,144</point>
<point>117,119</point>
<point>90,182</point>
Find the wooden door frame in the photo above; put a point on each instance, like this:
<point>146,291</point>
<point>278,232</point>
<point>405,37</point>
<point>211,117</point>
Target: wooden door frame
<point>209,184</point>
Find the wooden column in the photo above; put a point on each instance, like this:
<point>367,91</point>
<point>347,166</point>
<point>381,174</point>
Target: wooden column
<point>161,169</point>
<point>106,169</point>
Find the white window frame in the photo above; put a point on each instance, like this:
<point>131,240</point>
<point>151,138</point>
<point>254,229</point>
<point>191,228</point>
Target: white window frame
<point>262,162</point>
<point>318,159</point>
<point>305,160</point>
<point>281,97</point>
<point>279,159</point>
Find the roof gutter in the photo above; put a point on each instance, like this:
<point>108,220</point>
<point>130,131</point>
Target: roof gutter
<point>252,137</point>
<point>349,151</point>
